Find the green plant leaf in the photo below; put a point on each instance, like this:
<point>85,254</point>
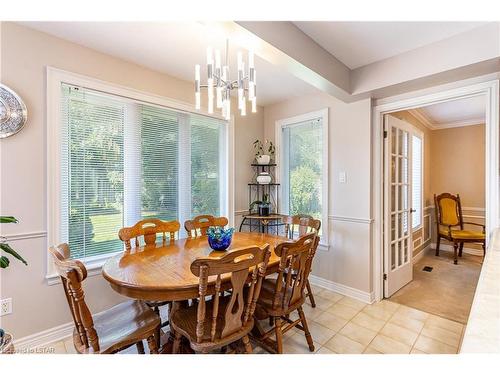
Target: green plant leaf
<point>4,262</point>
<point>7,219</point>
<point>9,250</point>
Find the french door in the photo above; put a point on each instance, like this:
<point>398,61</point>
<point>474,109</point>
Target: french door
<point>398,243</point>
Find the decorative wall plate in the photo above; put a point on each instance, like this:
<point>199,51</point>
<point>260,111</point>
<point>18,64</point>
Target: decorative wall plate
<point>13,112</point>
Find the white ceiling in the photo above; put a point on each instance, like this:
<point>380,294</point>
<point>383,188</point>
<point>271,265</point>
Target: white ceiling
<point>455,113</point>
<point>358,44</point>
<point>172,48</point>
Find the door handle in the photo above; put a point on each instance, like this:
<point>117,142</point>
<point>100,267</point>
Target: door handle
<point>412,210</point>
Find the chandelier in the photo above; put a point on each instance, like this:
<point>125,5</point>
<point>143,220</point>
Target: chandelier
<point>219,84</point>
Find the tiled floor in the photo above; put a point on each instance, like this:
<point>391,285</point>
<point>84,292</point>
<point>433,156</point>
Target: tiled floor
<point>344,325</point>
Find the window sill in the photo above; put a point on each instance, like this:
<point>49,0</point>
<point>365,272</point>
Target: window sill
<point>324,246</point>
<point>92,264</point>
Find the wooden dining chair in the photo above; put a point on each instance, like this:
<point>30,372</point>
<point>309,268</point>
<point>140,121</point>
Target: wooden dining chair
<point>301,225</point>
<point>450,225</point>
<point>222,320</point>
<point>199,225</point>
<point>281,296</point>
<point>109,331</point>
<point>148,230</point>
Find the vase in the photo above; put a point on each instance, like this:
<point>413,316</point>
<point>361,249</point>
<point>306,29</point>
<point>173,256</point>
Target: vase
<point>264,209</point>
<point>219,239</point>
<point>263,159</point>
<point>264,178</point>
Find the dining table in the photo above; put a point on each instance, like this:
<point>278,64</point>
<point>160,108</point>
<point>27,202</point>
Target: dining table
<point>161,272</point>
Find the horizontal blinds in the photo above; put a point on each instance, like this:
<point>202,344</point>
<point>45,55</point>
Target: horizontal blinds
<point>93,203</point>
<point>205,165</point>
<point>303,145</point>
<point>417,181</point>
<point>124,160</point>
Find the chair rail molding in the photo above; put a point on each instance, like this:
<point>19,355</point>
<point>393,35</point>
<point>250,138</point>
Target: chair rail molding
<point>351,219</point>
<point>25,235</point>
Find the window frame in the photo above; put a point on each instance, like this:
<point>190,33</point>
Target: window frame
<point>279,125</point>
<point>419,134</point>
<point>54,78</point>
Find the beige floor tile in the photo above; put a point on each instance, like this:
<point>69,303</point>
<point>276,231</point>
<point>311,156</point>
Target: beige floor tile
<point>407,322</point>
<point>319,333</point>
<point>431,346</point>
<point>370,350</point>
<point>450,325</point>
<point>310,312</point>
<point>379,311</point>
<point>344,345</point>
<point>387,345</point>
<point>351,302</point>
<point>325,350</point>
<point>357,333</point>
<point>443,335</point>
<point>416,351</point>
<point>400,334</point>
<point>297,344</point>
<point>343,311</point>
<point>321,302</point>
<point>409,312</point>
<point>69,346</point>
<point>329,295</point>
<point>368,321</point>
<point>331,321</point>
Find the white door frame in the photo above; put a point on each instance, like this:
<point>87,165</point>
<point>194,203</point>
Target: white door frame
<point>490,90</point>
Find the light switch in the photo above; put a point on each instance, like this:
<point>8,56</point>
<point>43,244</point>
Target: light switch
<point>342,177</point>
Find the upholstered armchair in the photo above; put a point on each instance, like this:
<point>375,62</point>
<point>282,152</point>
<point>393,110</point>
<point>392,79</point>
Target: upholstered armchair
<point>450,225</point>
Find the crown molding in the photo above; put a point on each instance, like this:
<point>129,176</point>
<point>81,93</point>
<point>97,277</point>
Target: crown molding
<point>428,123</point>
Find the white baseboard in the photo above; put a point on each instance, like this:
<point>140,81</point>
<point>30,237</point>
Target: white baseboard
<point>44,337</point>
<point>420,254</point>
<point>466,250</point>
<point>342,289</point>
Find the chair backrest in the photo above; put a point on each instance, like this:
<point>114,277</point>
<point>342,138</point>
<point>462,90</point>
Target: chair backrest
<point>149,229</point>
<point>294,267</point>
<point>73,273</point>
<point>448,210</point>
<point>238,311</point>
<point>199,225</point>
<point>301,224</point>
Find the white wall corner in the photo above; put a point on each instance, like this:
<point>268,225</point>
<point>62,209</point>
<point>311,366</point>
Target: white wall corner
<point>366,297</point>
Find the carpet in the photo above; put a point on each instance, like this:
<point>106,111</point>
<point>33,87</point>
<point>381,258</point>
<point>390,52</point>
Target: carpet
<point>447,291</point>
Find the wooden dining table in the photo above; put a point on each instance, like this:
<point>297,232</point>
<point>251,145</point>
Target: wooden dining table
<point>162,272</point>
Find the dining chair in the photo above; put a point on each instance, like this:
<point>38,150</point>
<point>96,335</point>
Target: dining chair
<point>112,330</point>
<point>148,230</point>
<point>302,224</point>
<point>199,225</point>
<point>222,320</point>
<point>281,296</point>
<point>448,211</point>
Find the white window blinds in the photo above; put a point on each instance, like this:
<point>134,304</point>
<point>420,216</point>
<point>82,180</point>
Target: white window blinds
<point>302,168</point>
<point>124,160</point>
<point>416,181</point>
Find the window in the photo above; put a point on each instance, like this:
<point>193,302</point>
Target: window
<point>303,171</point>
<point>416,181</point>
<point>122,160</point>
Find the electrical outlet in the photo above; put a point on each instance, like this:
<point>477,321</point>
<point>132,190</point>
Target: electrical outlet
<point>5,306</point>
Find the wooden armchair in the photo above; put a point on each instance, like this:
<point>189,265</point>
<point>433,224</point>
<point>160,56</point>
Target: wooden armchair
<point>450,225</point>
<point>281,296</point>
<point>302,224</point>
<point>199,225</point>
<point>148,229</point>
<point>110,331</point>
<point>221,321</point>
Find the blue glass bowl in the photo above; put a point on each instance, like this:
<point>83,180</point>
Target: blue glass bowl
<point>219,238</point>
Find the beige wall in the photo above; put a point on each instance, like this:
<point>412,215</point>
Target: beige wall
<point>348,261</point>
<point>25,53</point>
<point>458,163</point>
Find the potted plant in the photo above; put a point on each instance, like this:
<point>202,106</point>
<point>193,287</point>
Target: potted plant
<point>264,151</point>
<point>263,206</point>
<point>6,341</point>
